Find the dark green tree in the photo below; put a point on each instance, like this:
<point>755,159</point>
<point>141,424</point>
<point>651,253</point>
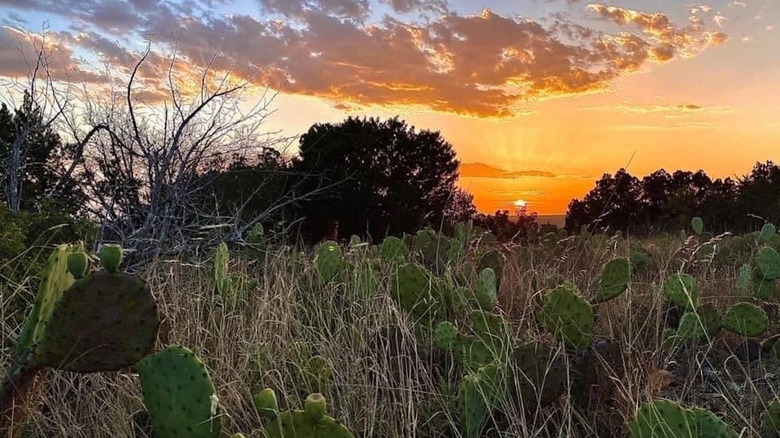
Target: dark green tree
<point>384,176</point>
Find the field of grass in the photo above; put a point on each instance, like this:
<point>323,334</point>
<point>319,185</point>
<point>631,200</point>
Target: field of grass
<point>383,376</point>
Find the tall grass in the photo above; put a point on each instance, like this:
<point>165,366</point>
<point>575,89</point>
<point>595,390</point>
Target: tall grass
<point>386,382</point>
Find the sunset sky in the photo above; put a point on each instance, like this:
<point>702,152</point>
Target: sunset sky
<point>538,97</point>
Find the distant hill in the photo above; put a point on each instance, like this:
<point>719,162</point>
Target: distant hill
<point>558,220</point>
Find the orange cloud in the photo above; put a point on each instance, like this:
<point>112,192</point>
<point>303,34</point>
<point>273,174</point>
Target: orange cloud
<point>482,170</point>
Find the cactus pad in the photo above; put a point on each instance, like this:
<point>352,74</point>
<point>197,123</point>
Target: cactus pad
<point>704,323</point>
<point>105,321</point>
<point>446,336</point>
<point>746,319</point>
<point>760,286</point>
<point>309,423</point>
<point>111,257</point>
<point>768,260</point>
<point>485,293</point>
<point>179,394</point>
<point>328,261</point>
<point>222,278</point>
<point>540,375</point>
<point>479,392</point>
<point>767,233</point>
<point>493,330</point>
<point>394,250</point>
<point>77,264</point>
<point>708,425</point>
<point>698,225</point>
<point>568,316</point>
<point>614,279</point>
<point>770,420</point>
<point>266,404</point>
<point>493,260</point>
<point>411,288</point>
<point>662,418</point>
<point>682,290</point>
<point>54,280</point>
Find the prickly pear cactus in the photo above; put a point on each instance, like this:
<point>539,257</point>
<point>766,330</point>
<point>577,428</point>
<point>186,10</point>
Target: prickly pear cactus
<point>768,260</point>
<point>770,420</point>
<point>480,391</point>
<point>493,260</point>
<point>767,233</point>
<point>329,261</point>
<point>682,290</point>
<point>104,321</point>
<point>222,279</point>
<point>614,279</point>
<point>111,256</point>
<point>55,279</point>
<point>308,423</point>
<point>706,424</point>
<point>698,225</point>
<point>78,262</point>
<point>568,316</point>
<point>266,403</point>
<point>411,289</point>
<point>494,332</point>
<point>540,375</point>
<point>662,418</point>
<point>394,250</point>
<point>485,293</point>
<point>446,336</point>
<point>746,319</point>
<point>758,284</point>
<point>704,323</point>
<point>179,394</point>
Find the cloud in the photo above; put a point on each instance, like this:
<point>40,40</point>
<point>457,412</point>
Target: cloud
<point>484,65</point>
<point>672,126</point>
<point>737,4</point>
<point>685,108</point>
<point>482,170</point>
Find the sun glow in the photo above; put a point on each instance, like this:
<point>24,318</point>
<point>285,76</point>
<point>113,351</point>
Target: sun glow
<point>520,203</point>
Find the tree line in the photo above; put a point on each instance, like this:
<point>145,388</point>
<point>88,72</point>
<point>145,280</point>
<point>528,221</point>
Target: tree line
<point>666,202</point>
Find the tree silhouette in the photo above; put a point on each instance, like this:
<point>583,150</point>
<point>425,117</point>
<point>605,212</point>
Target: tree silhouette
<point>388,178</point>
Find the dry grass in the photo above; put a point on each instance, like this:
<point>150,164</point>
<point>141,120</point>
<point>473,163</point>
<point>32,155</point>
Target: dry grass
<point>387,383</point>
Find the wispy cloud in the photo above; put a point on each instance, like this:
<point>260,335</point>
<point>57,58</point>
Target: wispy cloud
<point>482,170</point>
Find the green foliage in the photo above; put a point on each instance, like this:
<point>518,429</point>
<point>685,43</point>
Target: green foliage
<point>329,261</point>
<point>78,262</point>
<point>746,319</point>
<point>568,316</point>
<point>494,260</point>
<point>541,375</point>
<point>266,403</point>
<point>394,250</point>
<point>667,419</point>
<point>446,336</point>
<point>222,281</point>
<point>698,225</point>
<point>682,290</point>
<point>760,286</point>
<point>179,394</point>
<point>614,279</point>
<point>308,423</point>
<point>481,391</point>
<point>703,323</point>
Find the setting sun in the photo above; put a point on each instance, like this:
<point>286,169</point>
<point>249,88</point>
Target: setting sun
<point>520,203</point>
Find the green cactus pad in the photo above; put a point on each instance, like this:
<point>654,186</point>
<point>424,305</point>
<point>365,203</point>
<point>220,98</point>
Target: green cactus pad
<point>105,321</point>
<point>770,420</point>
<point>476,353</point>
<point>704,323</point>
<point>480,391</point>
<point>493,330</point>
<point>744,277</point>
<point>746,319</point>
<point>614,279</point>
<point>328,261</point>
<point>760,286</point>
<point>394,250</point>
<point>708,425</point>
<point>266,403</point>
<point>308,423</point>
<point>767,233</point>
<point>446,336</point>
<point>682,290</point>
<point>485,293</point>
<point>662,418</point>
<point>77,264</point>
<point>111,257</point>
<point>222,278</point>
<point>411,289</point>
<point>568,316</point>
<point>179,394</point>
<point>493,260</point>
<point>540,375</point>
<point>55,279</point>
<point>768,260</point>
<point>698,225</point>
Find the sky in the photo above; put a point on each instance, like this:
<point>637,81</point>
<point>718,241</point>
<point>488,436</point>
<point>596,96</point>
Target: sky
<point>538,97</point>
